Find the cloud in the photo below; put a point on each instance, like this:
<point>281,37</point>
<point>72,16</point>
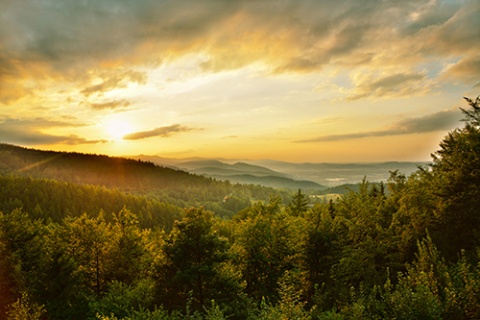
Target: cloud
<point>456,35</point>
<point>388,85</point>
<point>115,79</point>
<point>69,41</point>
<point>74,140</point>
<point>466,70</point>
<point>230,137</point>
<point>443,120</point>
<point>117,104</point>
<point>29,132</point>
<point>11,123</point>
<point>157,132</point>
<point>315,31</point>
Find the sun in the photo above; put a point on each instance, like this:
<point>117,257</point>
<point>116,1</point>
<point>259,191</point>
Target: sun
<point>117,128</point>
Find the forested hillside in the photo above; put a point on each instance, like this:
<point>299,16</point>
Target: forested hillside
<point>409,250</point>
<point>52,200</point>
<point>133,176</point>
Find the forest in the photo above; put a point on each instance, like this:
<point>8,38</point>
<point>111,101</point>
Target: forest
<point>84,240</point>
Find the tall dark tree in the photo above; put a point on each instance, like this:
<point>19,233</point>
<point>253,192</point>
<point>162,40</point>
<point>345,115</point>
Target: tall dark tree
<point>268,248</point>
<point>194,253</point>
<point>456,183</point>
<point>86,241</point>
<point>299,204</point>
<point>128,257</point>
<point>320,251</point>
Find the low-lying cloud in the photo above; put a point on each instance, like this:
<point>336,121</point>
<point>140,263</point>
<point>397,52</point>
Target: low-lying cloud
<point>388,85</point>
<point>29,132</point>
<point>117,104</point>
<point>114,79</point>
<point>443,120</point>
<point>157,132</point>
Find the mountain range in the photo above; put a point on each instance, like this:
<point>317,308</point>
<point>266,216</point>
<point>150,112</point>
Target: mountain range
<point>107,171</point>
<point>287,174</point>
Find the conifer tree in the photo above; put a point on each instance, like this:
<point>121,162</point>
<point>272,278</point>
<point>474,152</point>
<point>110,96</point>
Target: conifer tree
<point>194,253</point>
<point>299,204</point>
<point>456,183</point>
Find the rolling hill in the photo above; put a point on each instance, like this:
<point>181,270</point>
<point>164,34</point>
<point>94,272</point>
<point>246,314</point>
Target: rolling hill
<point>174,186</point>
<point>334,174</point>
<point>237,172</point>
<point>280,174</point>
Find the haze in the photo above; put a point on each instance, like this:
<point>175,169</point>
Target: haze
<point>318,81</point>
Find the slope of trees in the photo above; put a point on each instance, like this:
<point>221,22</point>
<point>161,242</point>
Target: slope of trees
<point>410,250</point>
<point>54,200</point>
<point>133,176</point>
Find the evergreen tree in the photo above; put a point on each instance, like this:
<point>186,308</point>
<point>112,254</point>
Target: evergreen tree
<point>87,242</point>
<point>128,260</point>
<point>266,249</point>
<point>194,253</point>
<point>299,204</point>
<point>456,183</point>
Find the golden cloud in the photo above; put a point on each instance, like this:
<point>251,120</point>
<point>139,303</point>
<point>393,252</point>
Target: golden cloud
<point>157,132</point>
<point>116,104</point>
<point>71,41</point>
<point>388,84</point>
<point>439,121</point>
<point>112,79</point>
<point>30,132</point>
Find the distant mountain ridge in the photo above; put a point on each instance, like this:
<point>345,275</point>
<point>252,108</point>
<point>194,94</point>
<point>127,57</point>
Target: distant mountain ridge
<point>237,172</point>
<point>334,174</point>
<point>152,172</point>
<point>218,167</point>
<point>322,175</point>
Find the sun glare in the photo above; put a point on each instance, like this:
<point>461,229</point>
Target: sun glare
<point>117,129</point>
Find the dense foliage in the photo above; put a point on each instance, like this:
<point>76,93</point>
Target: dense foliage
<point>54,200</point>
<point>409,250</point>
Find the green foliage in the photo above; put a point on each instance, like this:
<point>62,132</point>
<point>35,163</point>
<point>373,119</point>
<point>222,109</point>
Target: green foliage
<point>266,250</point>
<point>129,257</point>
<point>24,309</point>
<point>49,199</point>
<point>194,254</point>
<point>214,312</point>
<point>299,204</point>
<point>291,304</point>
<point>462,295</point>
<point>455,176</point>
<point>122,300</point>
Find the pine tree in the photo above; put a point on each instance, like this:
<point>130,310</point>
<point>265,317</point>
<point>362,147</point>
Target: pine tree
<point>456,183</point>
<point>194,253</point>
<point>299,204</point>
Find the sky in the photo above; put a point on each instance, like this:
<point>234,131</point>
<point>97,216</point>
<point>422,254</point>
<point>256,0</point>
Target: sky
<point>291,80</point>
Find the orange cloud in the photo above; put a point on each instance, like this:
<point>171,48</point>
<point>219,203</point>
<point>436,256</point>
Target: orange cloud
<point>388,85</point>
<point>30,132</point>
<point>443,120</point>
<point>157,132</point>
<point>116,104</point>
<point>466,70</point>
<point>68,41</point>
<point>112,79</point>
